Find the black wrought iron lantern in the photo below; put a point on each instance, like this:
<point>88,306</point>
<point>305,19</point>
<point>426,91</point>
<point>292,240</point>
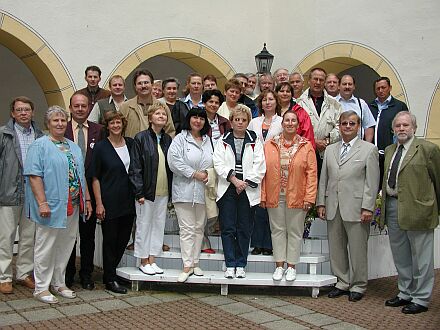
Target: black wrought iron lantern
<point>264,60</point>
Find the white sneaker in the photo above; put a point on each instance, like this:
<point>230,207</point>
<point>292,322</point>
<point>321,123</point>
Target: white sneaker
<point>290,274</point>
<point>184,276</point>
<point>157,269</point>
<point>198,271</point>
<point>147,269</point>
<point>230,272</point>
<point>240,273</point>
<point>278,274</point>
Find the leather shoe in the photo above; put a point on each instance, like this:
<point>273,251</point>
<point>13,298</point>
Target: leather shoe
<point>414,308</point>
<point>256,251</point>
<point>88,284</point>
<point>115,287</point>
<point>27,282</point>
<point>355,296</point>
<point>267,252</point>
<point>397,302</point>
<point>335,293</point>
<point>6,287</point>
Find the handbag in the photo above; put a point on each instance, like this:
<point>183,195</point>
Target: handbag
<point>211,194</point>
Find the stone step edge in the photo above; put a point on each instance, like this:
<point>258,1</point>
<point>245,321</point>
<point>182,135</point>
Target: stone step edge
<point>217,277</point>
<point>305,258</point>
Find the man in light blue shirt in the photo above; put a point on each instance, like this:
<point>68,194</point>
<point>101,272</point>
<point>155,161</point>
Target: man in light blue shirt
<point>350,102</point>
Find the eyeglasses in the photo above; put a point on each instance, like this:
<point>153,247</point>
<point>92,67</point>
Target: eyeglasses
<point>348,123</point>
<point>19,110</point>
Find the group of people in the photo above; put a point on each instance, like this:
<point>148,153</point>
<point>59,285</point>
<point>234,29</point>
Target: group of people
<point>256,164</point>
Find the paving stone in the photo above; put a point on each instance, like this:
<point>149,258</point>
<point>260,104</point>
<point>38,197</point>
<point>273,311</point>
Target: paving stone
<point>283,325</point>
<point>4,307</point>
<point>343,326</point>
<point>169,296</point>
<point>78,309</point>
<point>26,303</point>
<point>293,310</point>
<point>42,314</point>
<point>217,300</point>
<point>142,300</point>
<point>9,319</point>
<point>93,295</point>
<point>270,302</point>
<point>197,295</point>
<point>63,300</point>
<point>108,305</point>
<point>237,308</point>
<point>260,317</point>
<point>318,319</point>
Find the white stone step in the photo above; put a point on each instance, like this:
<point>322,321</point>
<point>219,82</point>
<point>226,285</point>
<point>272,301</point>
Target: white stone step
<point>307,258</point>
<point>216,277</point>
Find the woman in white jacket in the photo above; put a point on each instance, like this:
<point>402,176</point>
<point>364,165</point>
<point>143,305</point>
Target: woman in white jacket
<point>239,162</point>
<point>189,157</point>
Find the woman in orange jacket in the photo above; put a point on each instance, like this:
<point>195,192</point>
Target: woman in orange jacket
<point>288,192</point>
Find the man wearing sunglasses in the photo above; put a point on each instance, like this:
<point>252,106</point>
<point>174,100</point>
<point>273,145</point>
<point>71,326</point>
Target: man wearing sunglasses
<point>346,199</point>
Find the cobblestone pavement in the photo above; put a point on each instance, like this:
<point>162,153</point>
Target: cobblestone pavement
<point>197,306</point>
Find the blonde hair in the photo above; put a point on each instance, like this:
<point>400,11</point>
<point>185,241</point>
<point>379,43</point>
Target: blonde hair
<point>240,109</point>
<point>153,108</point>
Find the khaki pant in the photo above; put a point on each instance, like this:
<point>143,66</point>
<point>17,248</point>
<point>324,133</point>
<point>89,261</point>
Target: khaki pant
<point>348,248</point>
<point>53,247</point>
<point>192,220</point>
<point>12,217</point>
<point>287,227</point>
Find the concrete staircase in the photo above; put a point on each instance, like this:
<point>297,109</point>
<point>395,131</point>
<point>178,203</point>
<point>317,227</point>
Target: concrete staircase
<point>313,271</point>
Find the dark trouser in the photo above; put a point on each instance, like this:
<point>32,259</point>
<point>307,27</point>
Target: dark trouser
<point>381,168</point>
<point>87,249</point>
<point>318,164</point>
<point>115,236</point>
<point>236,217</point>
<point>261,236</point>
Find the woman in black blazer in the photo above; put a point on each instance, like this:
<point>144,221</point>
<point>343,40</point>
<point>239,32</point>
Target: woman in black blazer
<point>114,195</point>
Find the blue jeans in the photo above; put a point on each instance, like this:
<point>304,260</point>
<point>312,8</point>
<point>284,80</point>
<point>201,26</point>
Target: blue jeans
<point>261,236</point>
<point>236,217</point>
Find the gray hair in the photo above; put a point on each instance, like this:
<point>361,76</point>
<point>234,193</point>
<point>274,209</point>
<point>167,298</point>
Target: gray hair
<point>299,74</point>
<point>278,70</point>
<point>349,113</point>
<point>405,113</point>
<point>53,110</point>
<point>250,75</point>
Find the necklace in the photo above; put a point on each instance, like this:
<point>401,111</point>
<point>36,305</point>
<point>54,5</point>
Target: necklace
<point>117,144</point>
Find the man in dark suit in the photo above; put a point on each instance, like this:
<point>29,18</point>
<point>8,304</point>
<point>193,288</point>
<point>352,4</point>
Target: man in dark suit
<point>346,199</point>
<point>384,107</point>
<point>84,133</point>
<point>410,208</point>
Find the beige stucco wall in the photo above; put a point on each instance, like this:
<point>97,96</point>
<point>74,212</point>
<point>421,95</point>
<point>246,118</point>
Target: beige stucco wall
<point>74,34</point>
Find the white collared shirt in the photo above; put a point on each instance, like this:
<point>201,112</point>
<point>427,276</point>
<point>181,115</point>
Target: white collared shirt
<point>367,119</point>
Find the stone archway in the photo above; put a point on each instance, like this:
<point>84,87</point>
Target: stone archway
<point>339,56</point>
<point>193,53</point>
<point>39,57</point>
<point>433,117</point>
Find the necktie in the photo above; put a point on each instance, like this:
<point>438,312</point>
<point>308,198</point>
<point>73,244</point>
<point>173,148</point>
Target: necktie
<point>344,151</point>
<point>81,140</point>
<point>393,172</point>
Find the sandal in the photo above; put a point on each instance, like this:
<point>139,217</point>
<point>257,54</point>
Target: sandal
<point>46,297</point>
<point>64,292</point>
